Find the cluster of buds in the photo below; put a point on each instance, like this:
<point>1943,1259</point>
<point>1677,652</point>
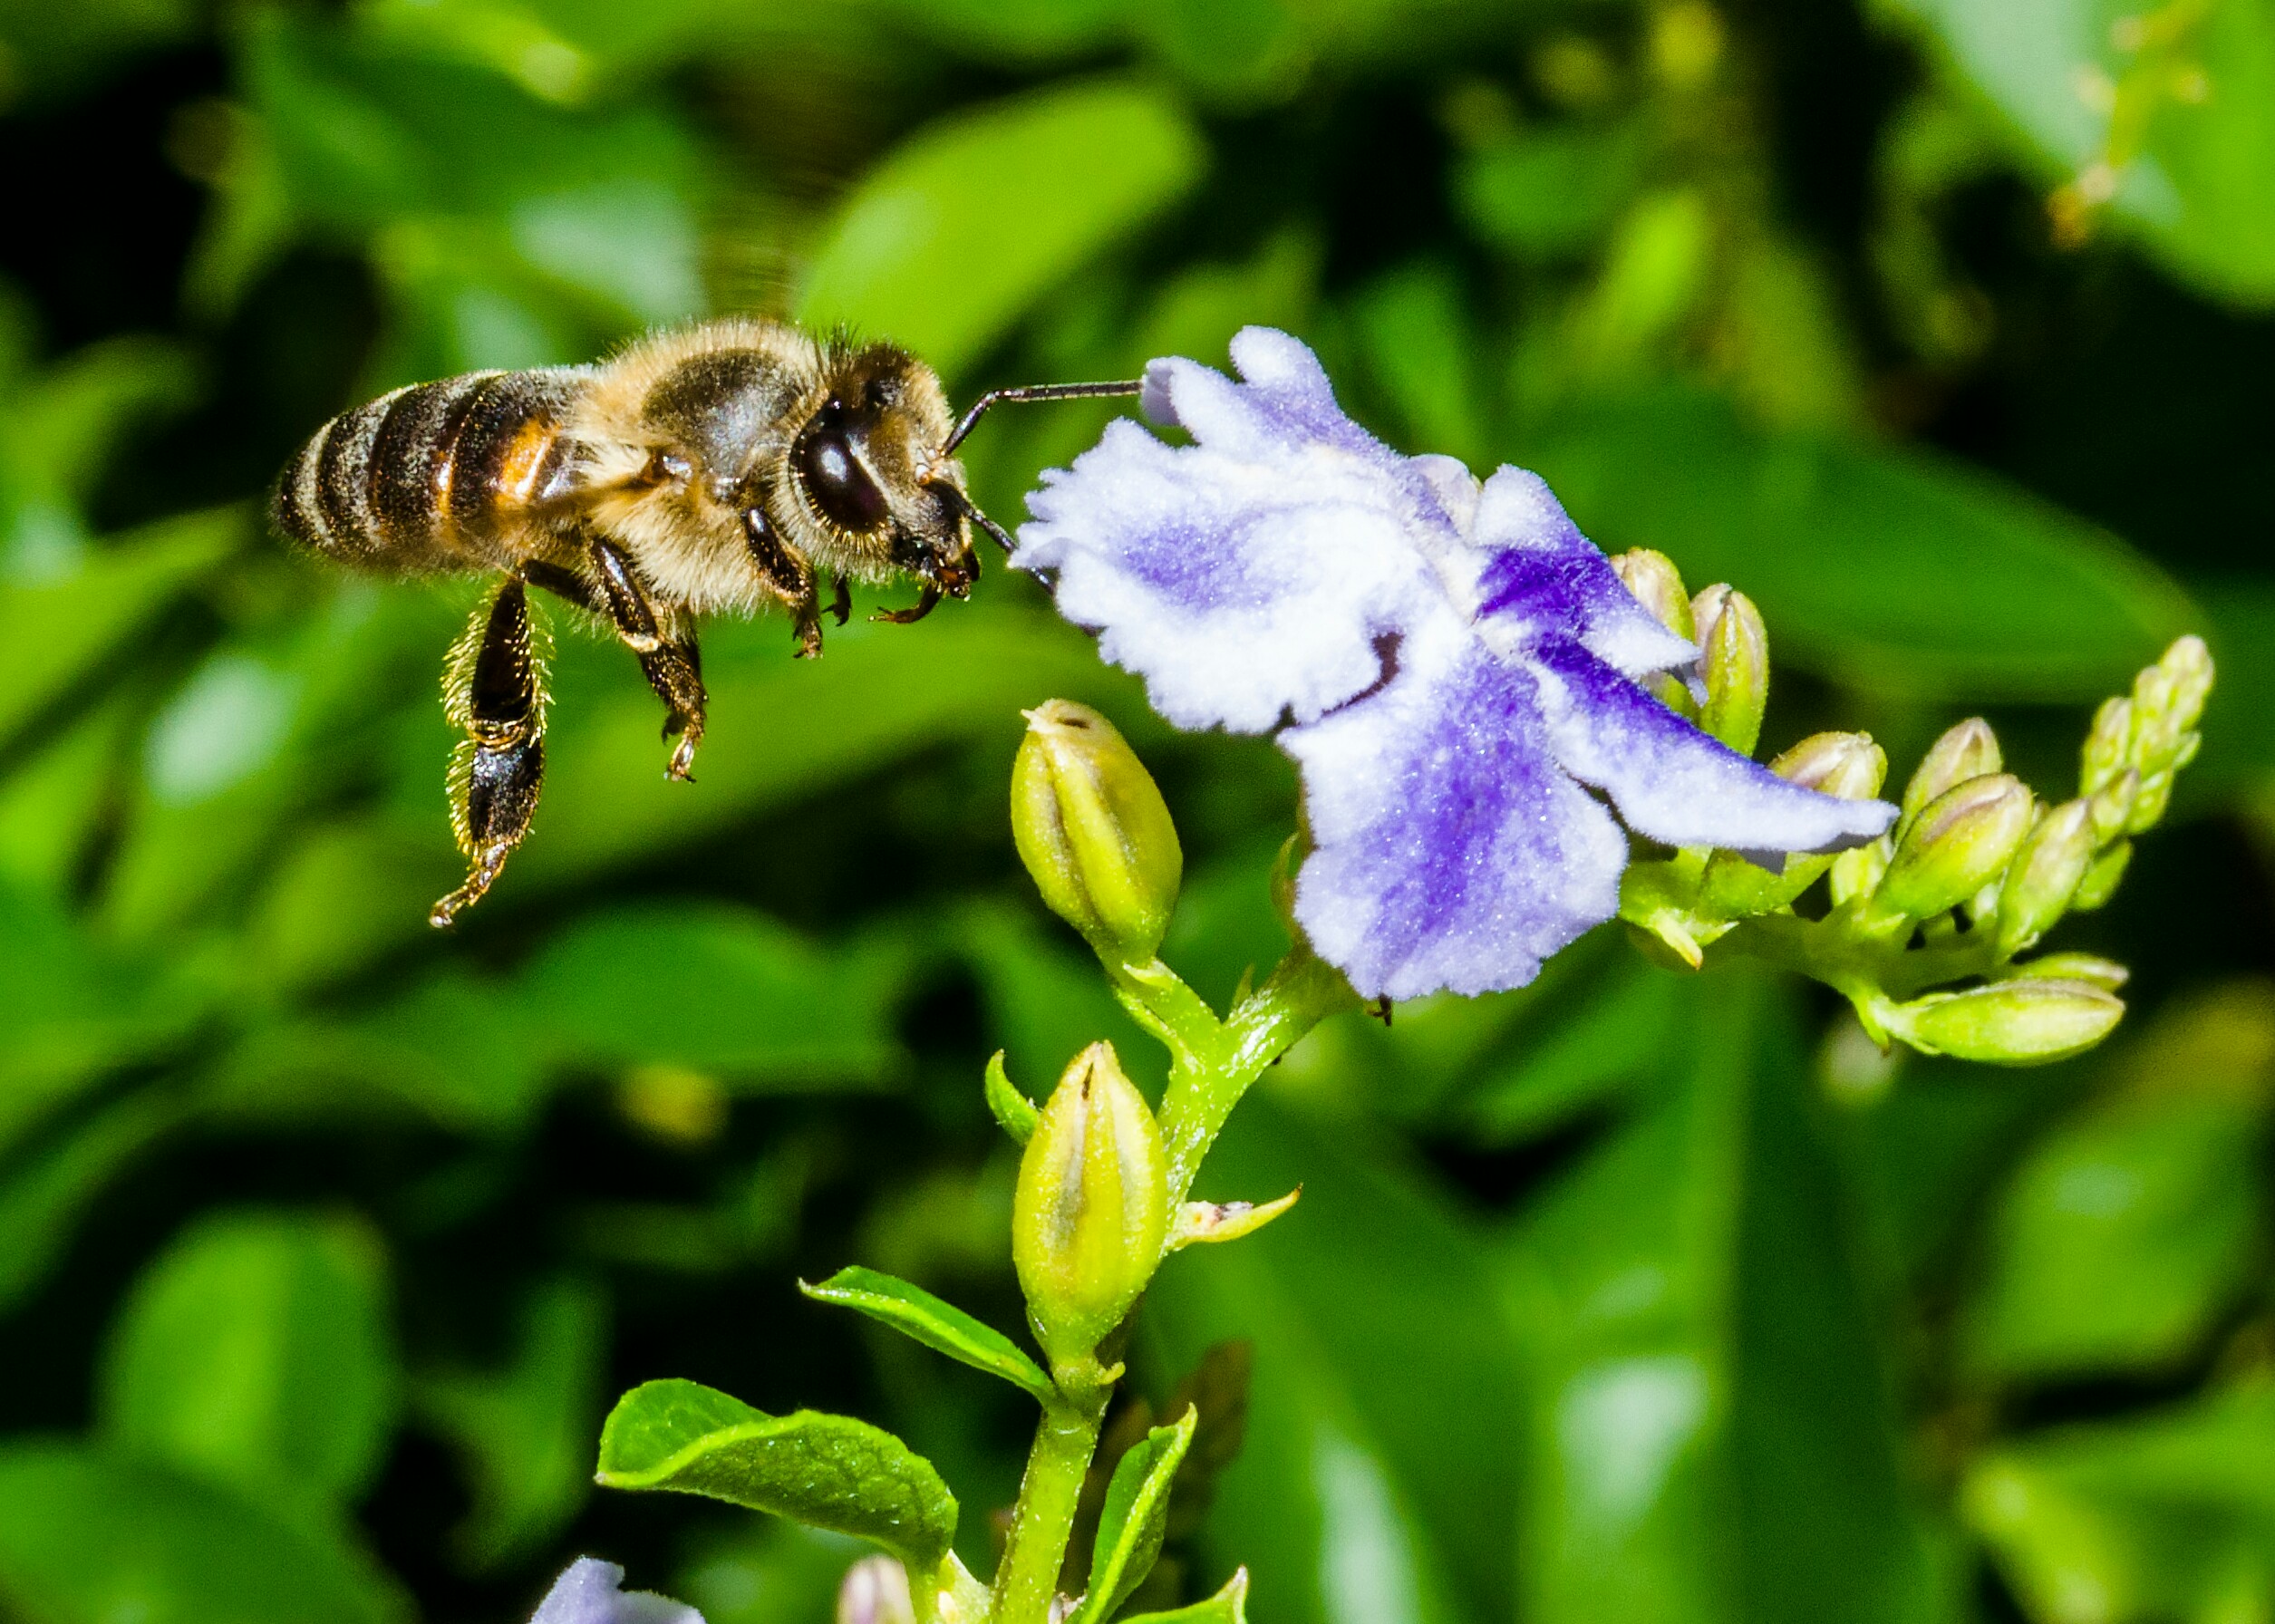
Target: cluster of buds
<point>1975,872</point>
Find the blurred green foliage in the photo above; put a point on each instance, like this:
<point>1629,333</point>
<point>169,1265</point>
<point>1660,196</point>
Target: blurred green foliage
<point>1940,328</point>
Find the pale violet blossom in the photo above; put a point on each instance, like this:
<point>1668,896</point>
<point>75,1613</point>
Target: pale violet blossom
<point>1452,664</point>
<point>591,1591</point>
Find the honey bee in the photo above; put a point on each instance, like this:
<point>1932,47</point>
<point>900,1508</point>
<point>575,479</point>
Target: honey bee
<point>721,467</point>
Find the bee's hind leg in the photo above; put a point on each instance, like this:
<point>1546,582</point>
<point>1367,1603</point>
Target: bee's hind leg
<point>496,695</point>
<point>670,656</point>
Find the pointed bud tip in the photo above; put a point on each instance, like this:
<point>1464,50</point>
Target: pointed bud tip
<point>1093,831</point>
<point>1847,766</point>
<point>1090,1214</point>
<point>1657,585</point>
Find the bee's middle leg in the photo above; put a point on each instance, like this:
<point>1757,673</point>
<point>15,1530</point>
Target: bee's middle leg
<point>669,655</point>
<point>791,578</point>
<point>497,695</point>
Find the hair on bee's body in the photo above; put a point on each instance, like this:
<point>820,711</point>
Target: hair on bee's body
<point>712,469</point>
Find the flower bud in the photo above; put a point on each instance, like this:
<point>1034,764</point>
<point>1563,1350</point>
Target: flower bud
<point>1092,1209</point>
<point>874,1591</point>
<point>2148,806</point>
<point>2044,875</point>
<point>1734,644</point>
<point>2104,974</point>
<point>1094,832</point>
<point>2113,805</point>
<point>1966,751</point>
<point>2100,883</point>
<point>1857,872</point>
<point>2023,1022</point>
<point>2108,747</point>
<point>1848,766</point>
<point>2189,663</point>
<point>1657,585</point>
<point>2156,728</point>
<point>1956,845</point>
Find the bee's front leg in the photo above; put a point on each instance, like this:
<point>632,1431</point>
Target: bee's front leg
<point>790,577</point>
<point>669,655</point>
<point>496,695</point>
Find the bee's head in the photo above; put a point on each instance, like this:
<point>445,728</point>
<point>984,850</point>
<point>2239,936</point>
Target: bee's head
<point>868,467</point>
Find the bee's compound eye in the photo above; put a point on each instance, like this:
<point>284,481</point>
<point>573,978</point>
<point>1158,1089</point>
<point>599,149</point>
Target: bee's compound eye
<point>839,486</point>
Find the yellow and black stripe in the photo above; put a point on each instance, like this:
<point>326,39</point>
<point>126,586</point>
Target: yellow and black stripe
<point>430,477</point>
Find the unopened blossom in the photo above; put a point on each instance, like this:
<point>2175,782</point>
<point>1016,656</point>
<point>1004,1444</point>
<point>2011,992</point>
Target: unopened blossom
<point>1451,664</point>
<point>591,1591</point>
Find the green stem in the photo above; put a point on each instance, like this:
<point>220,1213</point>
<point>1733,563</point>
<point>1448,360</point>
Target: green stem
<point>1065,1440</point>
<point>1299,994</point>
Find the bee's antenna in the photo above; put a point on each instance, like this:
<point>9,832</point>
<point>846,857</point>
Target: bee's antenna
<point>1034,392</point>
<point>971,510</point>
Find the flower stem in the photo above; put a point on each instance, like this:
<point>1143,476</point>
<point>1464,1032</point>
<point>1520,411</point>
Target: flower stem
<point>1065,1440</point>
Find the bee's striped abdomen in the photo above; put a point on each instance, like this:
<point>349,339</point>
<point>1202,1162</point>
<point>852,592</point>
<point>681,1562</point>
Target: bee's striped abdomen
<point>430,477</point>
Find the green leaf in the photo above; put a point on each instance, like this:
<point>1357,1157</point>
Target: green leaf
<point>2128,1231</point>
<point>55,631</point>
<point>525,1430</point>
<point>1711,1440</point>
<point>1135,1516</point>
<point>2157,1516</point>
<point>940,1326</point>
<point>256,1350</point>
<point>1013,1112</point>
<point>954,236</point>
<point>1380,1475</point>
<point>1228,1605</point>
<point>87,1538</point>
<point>45,1196</point>
<point>1895,572</point>
<point>828,1471</point>
<point>2201,194</point>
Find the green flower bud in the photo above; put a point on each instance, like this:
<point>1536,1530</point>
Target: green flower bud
<point>1094,832</point>
<point>2044,875</point>
<point>1657,583</point>
<point>2101,880</point>
<point>1090,1215</point>
<point>1857,872</point>
<point>2156,727</point>
<point>2023,1022</point>
<point>1735,646</point>
<point>2104,974</point>
<point>2148,806</point>
<point>1956,846</point>
<point>1849,765</point>
<point>2113,805</point>
<point>1966,751</point>
<point>2108,747</point>
<point>2189,663</point>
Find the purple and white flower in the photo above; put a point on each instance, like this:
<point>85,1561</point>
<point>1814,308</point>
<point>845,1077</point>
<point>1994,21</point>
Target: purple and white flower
<point>591,1591</point>
<point>1452,664</point>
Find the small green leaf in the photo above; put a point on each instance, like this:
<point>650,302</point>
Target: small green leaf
<point>1228,1605</point>
<point>1012,1110</point>
<point>1136,1513</point>
<point>940,1326</point>
<point>828,1471</point>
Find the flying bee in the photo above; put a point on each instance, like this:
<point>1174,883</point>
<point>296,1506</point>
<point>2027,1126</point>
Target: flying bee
<point>721,468</point>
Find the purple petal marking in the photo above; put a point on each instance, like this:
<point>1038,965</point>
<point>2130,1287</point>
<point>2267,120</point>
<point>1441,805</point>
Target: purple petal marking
<point>1259,578</point>
<point>591,1591</point>
<point>1674,783</point>
<point>1546,576</point>
<point>1450,850</point>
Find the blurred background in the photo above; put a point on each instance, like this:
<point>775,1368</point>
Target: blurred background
<point>1940,326</point>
